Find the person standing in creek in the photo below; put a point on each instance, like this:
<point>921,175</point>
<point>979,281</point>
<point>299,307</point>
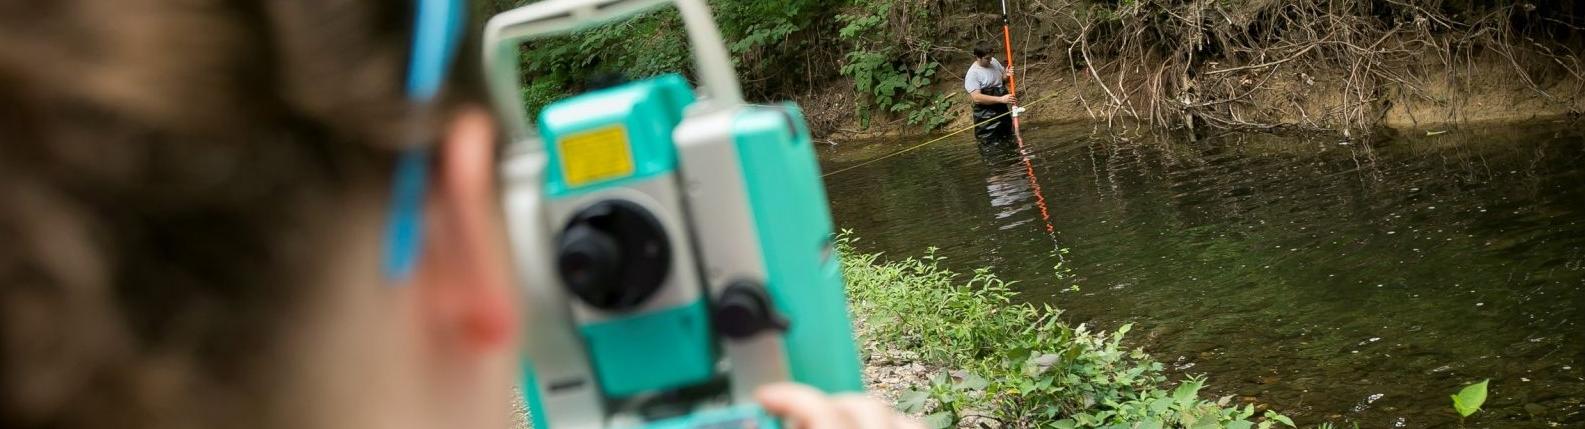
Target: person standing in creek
<point>984,83</point>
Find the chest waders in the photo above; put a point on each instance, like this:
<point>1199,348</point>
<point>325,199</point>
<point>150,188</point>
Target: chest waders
<point>997,130</point>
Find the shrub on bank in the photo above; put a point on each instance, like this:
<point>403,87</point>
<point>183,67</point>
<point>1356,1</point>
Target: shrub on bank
<point>1016,364</point>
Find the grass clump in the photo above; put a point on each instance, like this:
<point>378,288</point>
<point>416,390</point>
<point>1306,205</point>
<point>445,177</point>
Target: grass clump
<point>1014,363</point>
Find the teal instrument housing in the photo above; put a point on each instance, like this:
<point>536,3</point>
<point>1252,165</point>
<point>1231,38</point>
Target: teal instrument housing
<point>653,351</point>
<point>615,184</point>
<point>657,350</point>
<point>744,416</point>
<point>530,382</point>
<point>787,198</point>
<point>647,110</point>
<point>674,347</point>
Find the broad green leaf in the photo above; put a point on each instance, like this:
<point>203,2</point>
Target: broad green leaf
<point>913,401</point>
<point>1064,424</point>
<point>1160,405</point>
<point>1044,383</point>
<point>1239,424</point>
<point>973,382</point>
<point>1469,400</point>
<point>1189,389</point>
<point>1281,418</point>
<point>941,420</point>
<point>1148,424</point>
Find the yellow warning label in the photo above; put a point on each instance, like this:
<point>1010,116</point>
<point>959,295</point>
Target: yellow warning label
<point>595,155</point>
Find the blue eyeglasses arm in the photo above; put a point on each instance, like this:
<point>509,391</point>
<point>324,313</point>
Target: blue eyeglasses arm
<point>437,30</point>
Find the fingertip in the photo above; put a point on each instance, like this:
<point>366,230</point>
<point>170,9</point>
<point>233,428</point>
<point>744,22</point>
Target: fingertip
<point>784,397</point>
<point>906,422</point>
<point>865,411</point>
<point>802,405</point>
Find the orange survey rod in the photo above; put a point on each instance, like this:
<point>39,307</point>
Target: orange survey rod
<point>1029,168</point>
<point>1012,85</point>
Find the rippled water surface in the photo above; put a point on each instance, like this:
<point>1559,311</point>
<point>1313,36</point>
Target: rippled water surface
<point>1361,281</point>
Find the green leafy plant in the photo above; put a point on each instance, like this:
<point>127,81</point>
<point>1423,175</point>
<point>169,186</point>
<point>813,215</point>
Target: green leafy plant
<point>759,33</point>
<point>1470,398</point>
<point>949,392</point>
<point>892,78</point>
<point>1016,362</point>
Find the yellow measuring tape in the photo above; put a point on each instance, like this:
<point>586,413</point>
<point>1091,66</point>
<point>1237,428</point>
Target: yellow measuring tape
<point>943,137</point>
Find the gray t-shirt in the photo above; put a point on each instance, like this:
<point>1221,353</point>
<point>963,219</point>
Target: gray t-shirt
<point>983,77</point>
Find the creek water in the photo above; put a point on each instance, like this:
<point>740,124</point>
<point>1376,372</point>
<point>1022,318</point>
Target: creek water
<point>1335,281</point>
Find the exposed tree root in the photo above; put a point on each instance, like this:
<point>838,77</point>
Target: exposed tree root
<point>1214,63</point>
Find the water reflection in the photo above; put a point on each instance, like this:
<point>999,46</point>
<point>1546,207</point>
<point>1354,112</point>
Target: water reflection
<point>1339,280</point>
<point>1015,190</point>
<point>1009,188</point>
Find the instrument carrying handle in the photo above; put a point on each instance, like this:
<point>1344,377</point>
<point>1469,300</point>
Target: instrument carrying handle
<point>505,32</point>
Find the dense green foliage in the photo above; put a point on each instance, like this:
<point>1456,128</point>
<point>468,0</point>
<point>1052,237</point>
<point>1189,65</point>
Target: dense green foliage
<point>1171,63</point>
<point>758,33</point>
<point>780,48</point>
<point>885,83</point>
<point>1018,363</point>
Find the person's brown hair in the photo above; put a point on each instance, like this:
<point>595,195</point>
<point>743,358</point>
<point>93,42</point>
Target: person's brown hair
<point>984,49</point>
<point>163,166</point>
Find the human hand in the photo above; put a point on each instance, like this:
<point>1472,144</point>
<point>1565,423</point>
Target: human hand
<point>803,407</point>
<point>1009,70</point>
<point>1008,99</point>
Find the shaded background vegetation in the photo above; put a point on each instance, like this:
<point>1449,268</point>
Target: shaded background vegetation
<point>1338,65</point>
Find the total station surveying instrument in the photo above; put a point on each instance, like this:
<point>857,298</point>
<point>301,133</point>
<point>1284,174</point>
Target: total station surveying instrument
<point>674,245</point>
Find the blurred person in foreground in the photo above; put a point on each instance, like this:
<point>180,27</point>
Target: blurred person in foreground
<point>193,196</point>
